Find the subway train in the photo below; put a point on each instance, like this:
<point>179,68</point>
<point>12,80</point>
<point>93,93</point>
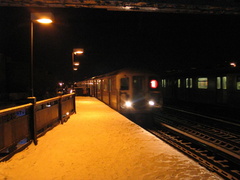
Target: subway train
<point>217,87</point>
<point>128,90</point>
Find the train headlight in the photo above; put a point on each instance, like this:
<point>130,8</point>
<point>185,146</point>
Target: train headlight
<point>151,103</point>
<point>128,104</point>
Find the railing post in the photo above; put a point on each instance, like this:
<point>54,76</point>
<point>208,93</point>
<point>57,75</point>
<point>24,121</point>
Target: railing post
<point>74,103</point>
<point>60,110</point>
<point>32,124</point>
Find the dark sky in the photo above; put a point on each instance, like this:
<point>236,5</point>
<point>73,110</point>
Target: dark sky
<point>113,40</point>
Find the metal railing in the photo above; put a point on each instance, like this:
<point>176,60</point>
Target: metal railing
<point>24,124</point>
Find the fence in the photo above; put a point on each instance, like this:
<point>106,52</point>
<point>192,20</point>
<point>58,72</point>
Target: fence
<point>21,125</point>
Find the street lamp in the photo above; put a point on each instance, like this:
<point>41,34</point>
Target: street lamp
<point>76,52</point>
<point>43,18</point>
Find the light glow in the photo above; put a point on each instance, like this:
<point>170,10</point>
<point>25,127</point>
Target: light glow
<point>78,52</point>
<point>151,103</point>
<point>128,104</point>
<point>233,64</point>
<point>76,63</point>
<point>44,21</point>
<point>154,83</point>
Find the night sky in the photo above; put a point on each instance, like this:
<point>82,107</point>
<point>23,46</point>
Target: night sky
<point>113,40</point>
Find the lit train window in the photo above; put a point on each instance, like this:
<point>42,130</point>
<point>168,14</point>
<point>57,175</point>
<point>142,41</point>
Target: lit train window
<point>224,82</point>
<point>105,85</point>
<point>179,83</point>
<point>219,83</point>
<point>203,83</point>
<point>238,83</point>
<point>188,82</point>
<point>99,84</point>
<point>154,84</point>
<point>164,83</point>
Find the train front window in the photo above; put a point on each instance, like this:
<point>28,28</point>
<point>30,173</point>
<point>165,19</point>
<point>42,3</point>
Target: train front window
<point>124,84</point>
<point>138,83</point>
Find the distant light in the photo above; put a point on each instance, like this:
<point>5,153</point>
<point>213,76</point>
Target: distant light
<point>67,113</point>
<point>151,103</point>
<point>78,52</point>
<point>76,63</point>
<point>42,17</point>
<point>75,69</point>
<point>233,64</point>
<point>44,21</point>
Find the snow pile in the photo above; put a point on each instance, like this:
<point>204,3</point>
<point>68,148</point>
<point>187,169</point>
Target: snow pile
<point>98,143</point>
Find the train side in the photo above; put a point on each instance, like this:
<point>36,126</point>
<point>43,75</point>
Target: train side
<point>127,90</point>
<point>213,87</point>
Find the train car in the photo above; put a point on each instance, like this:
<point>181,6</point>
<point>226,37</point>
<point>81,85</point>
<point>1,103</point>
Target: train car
<point>213,87</point>
<point>127,90</point>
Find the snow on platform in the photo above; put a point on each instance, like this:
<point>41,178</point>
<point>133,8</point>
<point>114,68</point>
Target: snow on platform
<point>98,143</point>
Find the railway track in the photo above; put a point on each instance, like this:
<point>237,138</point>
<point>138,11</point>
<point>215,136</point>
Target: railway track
<point>203,138</point>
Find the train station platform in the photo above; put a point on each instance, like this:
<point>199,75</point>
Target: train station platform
<point>98,143</point>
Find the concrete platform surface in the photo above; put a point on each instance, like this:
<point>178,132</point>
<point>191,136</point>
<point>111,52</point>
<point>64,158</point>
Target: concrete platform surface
<point>98,143</point>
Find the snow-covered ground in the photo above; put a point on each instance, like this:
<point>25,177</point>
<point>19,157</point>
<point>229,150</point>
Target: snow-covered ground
<point>98,143</point>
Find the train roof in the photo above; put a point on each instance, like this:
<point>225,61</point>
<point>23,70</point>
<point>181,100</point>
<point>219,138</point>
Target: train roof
<point>196,71</point>
<point>124,70</point>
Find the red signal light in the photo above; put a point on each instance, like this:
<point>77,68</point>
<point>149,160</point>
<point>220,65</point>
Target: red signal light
<point>153,84</point>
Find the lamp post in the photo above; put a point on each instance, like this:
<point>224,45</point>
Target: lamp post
<point>75,62</point>
<point>43,18</point>
<point>76,52</point>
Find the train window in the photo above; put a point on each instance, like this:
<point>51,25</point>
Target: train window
<point>124,84</point>
<point>98,84</point>
<point>113,83</point>
<point>138,82</point>
<point>224,82</point>
<point>109,85</point>
<point>188,82</point>
<point>179,83</point>
<point>163,82</point>
<point>219,84</point>
<point>203,83</point>
<point>105,85</point>
<point>238,83</point>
